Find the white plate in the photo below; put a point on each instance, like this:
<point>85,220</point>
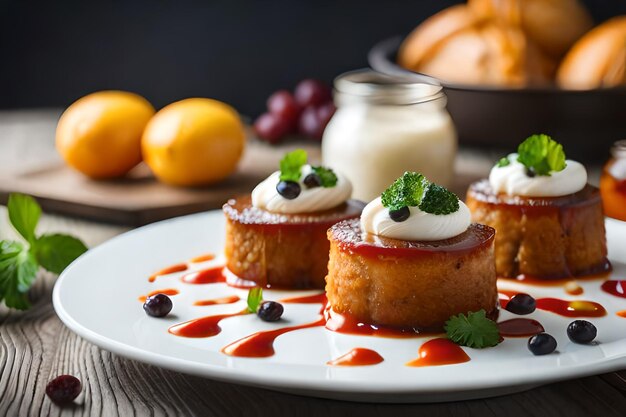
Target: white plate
<point>96,297</point>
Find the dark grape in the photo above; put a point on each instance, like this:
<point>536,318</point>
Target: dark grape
<point>521,304</point>
<point>311,92</point>
<point>158,305</point>
<point>63,389</point>
<point>271,127</point>
<point>312,180</point>
<point>581,331</point>
<point>310,124</point>
<point>283,104</point>
<point>270,311</point>
<point>288,189</point>
<point>400,215</point>
<point>542,344</point>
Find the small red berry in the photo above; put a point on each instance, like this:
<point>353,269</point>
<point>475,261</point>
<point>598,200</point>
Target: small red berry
<point>63,389</point>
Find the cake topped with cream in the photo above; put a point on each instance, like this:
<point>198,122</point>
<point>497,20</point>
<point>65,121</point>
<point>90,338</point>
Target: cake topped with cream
<point>538,169</point>
<point>413,208</point>
<point>299,187</point>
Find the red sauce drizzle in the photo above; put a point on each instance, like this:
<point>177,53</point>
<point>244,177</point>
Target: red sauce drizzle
<point>169,270</point>
<point>261,344</point>
<point>439,351</point>
<point>202,258</point>
<point>357,357</point>
<point>347,324</point>
<point>215,301</point>
<point>621,313</point>
<point>520,327</point>
<point>166,291</point>
<point>205,276</point>
<point>571,308</point>
<point>307,299</point>
<point>616,288</point>
<point>203,326</point>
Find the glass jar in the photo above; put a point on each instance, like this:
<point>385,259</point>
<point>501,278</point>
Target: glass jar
<point>613,182</point>
<point>385,126</point>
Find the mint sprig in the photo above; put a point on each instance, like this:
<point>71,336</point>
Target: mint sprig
<point>19,262</point>
<point>327,176</point>
<point>255,296</point>
<point>291,165</point>
<point>414,190</point>
<point>541,154</point>
<point>473,330</point>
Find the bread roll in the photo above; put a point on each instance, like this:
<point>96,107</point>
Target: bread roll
<point>598,59</point>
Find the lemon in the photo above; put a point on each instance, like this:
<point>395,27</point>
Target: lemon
<point>100,134</point>
<point>192,142</point>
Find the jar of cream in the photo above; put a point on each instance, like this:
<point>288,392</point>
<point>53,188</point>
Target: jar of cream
<point>385,126</point>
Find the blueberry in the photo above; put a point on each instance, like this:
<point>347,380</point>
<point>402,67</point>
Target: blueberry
<point>530,173</point>
<point>581,331</point>
<point>270,311</point>
<point>399,215</point>
<point>521,304</point>
<point>312,180</point>
<point>158,305</point>
<point>63,389</point>
<point>288,189</point>
<point>542,344</point>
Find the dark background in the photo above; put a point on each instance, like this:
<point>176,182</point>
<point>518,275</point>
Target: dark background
<point>53,52</point>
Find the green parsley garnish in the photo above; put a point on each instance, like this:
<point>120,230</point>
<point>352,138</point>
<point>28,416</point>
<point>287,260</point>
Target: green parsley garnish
<point>503,162</point>
<point>541,154</point>
<point>291,165</point>
<point>414,190</point>
<point>473,330</point>
<point>19,262</point>
<point>326,175</point>
<point>255,296</point>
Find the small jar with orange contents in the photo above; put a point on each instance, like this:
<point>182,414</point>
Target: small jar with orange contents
<point>613,182</point>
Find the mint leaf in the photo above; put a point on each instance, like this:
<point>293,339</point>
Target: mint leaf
<point>18,270</point>
<point>406,191</point>
<point>291,165</point>
<point>255,296</point>
<point>24,213</point>
<point>503,162</point>
<point>473,330</point>
<point>438,200</point>
<point>541,154</point>
<point>327,176</point>
<point>56,251</point>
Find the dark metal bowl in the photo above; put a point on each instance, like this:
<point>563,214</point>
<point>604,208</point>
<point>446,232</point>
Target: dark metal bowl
<point>586,122</point>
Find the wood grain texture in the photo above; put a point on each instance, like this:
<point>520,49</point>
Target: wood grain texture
<point>36,347</point>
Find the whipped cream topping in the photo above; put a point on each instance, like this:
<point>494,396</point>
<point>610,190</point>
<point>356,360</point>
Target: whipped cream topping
<point>419,226</point>
<point>265,196</point>
<point>512,180</point>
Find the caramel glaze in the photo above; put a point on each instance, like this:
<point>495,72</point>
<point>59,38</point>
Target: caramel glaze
<point>348,234</point>
<point>242,211</point>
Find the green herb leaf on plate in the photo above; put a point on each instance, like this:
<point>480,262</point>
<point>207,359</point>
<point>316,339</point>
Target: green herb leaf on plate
<point>327,176</point>
<point>18,270</point>
<point>24,214</point>
<point>56,251</point>
<point>291,165</point>
<point>406,191</point>
<point>503,162</point>
<point>541,154</point>
<point>473,330</point>
<point>438,200</point>
<point>255,296</point>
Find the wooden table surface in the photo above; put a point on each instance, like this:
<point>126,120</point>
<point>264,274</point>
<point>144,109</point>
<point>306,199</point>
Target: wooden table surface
<point>36,347</point>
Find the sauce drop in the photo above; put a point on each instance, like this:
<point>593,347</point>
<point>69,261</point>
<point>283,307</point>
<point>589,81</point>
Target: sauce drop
<point>347,324</point>
<point>438,352</point>
<point>261,344</point>
<point>572,288</point>
<point>621,313</point>
<point>614,287</point>
<point>520,327</point>
<point>169,270</point>
<point>203,326</point>
<point>205,276</point>
<point>166,291</point>
<point>202,258</point>
<point>215,301</point>
<point>357,357</point>
<point>307,299</point>
<point>571,308</point>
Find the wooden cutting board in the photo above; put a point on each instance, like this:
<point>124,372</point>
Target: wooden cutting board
<point>29,164</point>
